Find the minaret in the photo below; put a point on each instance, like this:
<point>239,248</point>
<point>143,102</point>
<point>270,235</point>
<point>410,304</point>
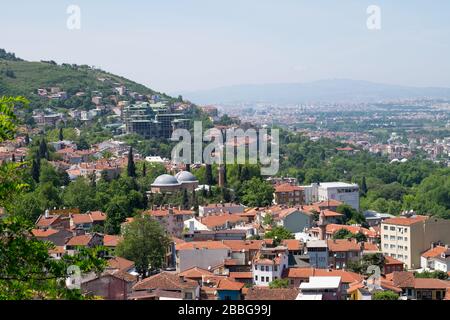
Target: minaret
<point>221,175</point>
<point>322,225</point>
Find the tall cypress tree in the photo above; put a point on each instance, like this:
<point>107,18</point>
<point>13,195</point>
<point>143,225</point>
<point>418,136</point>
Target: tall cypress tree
<point>35,170</point>
<point>208,175</point>
<point>43,149</point>
<point>131,167</point>
<point>144,170</point>
<point>185,200</point>
<point>13,158</point>
<point>364,186</point>
<point>61,135</point>
<point>27,139</point>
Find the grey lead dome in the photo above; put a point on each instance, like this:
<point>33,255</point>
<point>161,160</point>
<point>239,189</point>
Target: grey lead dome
<point>185,176</point>
<point>165,180</point>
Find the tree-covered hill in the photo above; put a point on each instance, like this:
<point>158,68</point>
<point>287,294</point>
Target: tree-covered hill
<point>19,77</point>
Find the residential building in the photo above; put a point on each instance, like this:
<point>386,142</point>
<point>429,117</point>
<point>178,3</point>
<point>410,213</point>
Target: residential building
<point>269,264</point>
<point>202,254</point>
<point>321,288</point>
<point>317,251</point>
<point>343,251</point>
<point>406,238</point>
<point>165,286</point>
<point>341,191</point>
<point>288,194</point>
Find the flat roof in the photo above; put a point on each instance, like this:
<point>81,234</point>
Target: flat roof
<point>321,283</point>
<point>337,184</point>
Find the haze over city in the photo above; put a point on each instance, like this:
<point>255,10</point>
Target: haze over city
<point>177,46</point>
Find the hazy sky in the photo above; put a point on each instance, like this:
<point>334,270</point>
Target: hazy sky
<point>176,45</point>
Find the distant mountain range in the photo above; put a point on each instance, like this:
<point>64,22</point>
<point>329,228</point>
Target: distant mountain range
<point>328,91</point>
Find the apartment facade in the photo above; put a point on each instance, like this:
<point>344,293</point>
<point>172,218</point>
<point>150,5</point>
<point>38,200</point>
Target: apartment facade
<point>347,193</point>
<point>406,239</point>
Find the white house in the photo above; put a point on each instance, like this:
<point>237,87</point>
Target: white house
<point>269,265</point>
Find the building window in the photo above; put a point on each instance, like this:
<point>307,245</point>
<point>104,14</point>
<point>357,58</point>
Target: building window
<point>267,268</point>
<point>276,268</point>
<point>267,279</point>
<point>188,295</point>
<point>262,279</point>
<point>386,236</point>
<point>385,227</point>
<point>262,268</point>
<point>406,239</point>
<point>392,228</point>
<point>256,278</point>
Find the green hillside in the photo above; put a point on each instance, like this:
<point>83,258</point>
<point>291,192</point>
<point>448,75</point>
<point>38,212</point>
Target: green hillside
<point>18,77</point>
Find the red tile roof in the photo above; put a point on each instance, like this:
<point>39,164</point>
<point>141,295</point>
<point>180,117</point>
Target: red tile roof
<point>98,216</point>
<point>305,273</point>
<point>405,221</point>
<point>343,245</point>
<point>241,275</point>
<point>239,245</point>
<point>165,281</point>
<point>211,245</point>
<point>120,263</point>
<point>264,293</point>
<point>81,218</point>
<point>195,273</point>
<point>82,240</point>
<point>287,188</point>
<point>111,240</point>
<point>435,252</point>
<point>220,220</point>
<point>38,233</point>
<point>226,284</point>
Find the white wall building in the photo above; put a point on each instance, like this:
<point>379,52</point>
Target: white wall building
<point>269,265</point>
<point>345,192</point>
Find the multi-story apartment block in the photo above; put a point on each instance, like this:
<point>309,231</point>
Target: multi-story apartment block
<point>269,265</point>
<point>341,191</point>
<point>318,253</point>
<point>406,238</point>
<point>288,194</point>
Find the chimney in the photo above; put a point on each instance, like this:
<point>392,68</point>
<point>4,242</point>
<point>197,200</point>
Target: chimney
<point>46,214</point>
<point>170,210</point>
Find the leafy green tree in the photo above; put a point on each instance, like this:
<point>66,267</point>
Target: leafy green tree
<point>279,283</point>
<point>268,219</point>
<point>342,234</point>
<point>209,175</point>
<point>8,119</point>
<point>385,295</point>
<point>144,242</point>
<point>61,135</point>
<point>256,193</point>
<point>278,233</point>
<point>80,194</point>
<point>35,169</point>
<point>437,274</point>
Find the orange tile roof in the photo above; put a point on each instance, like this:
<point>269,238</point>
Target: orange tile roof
<point>120,263</point>
<point>292,244</point>
<point>241,275</point>
<point>195,273</point>
<point>239,245</point>
<point>405,221</point>
<point>211,245</point>
<point>226,284</point>
<point>56,250</point>
<point>46,222</point>
<point>264,293</point>
<point>81,218</point>
<point>82,240</point>
<point>429,283</point>
<point>332,228</point>
<point>342,245</point>
<point>38,233</point>
<point>346,276</point>
<point>388,260</point>
<point>435,252</point>
<point>220,220</point>
<point>165,212</point>
<point>287,188</point>
<point>111,240</point>
<point>165,281</point>
<point>98,216</point>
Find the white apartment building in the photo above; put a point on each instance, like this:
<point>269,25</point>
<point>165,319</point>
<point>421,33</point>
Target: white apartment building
<point>406,239</point>
<point>345,192</point>
<point>269,265</point>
